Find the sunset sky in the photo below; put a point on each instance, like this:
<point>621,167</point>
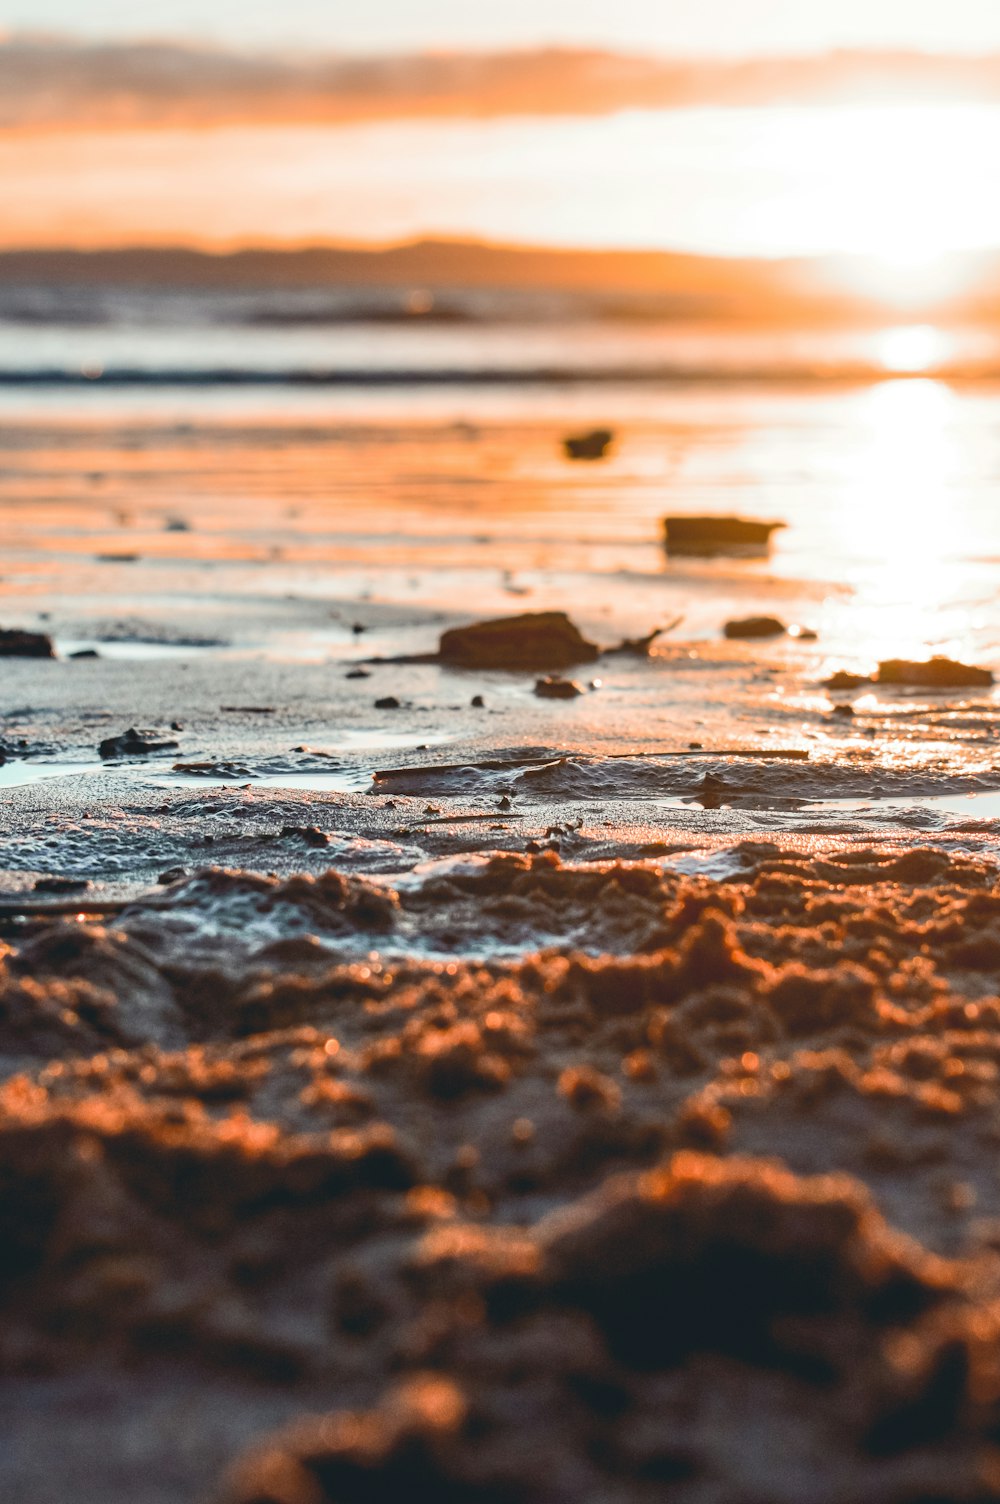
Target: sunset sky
<point>740,26</point>
<point>240,122</point>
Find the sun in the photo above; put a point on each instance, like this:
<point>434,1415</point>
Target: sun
<point>912,349</point>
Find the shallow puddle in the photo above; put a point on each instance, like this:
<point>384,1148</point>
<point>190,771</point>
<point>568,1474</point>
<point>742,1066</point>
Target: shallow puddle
<point>15,775</point>
<point>985,806</point>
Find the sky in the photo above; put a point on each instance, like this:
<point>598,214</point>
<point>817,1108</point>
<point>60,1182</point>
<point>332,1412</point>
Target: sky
<point>679,26</point>
<point>267,137</point>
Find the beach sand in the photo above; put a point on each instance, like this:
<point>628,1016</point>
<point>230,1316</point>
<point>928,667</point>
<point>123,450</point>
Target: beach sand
<point>533,1100</point>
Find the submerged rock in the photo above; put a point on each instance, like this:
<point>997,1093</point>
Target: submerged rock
<point>935,673</point>
<point>17,644</point>
<point>592,445</point>
<point>755,626</point>
<point>535,640</point>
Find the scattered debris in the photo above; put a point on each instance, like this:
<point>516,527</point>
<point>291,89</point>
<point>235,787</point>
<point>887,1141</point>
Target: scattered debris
<point>717,535</point>
<point>592,445</point>
<point>641,647</point>
<point>936,673</point>
<point>556,688</point>
<point>755,626</point>
<point>17,644</point>
<point>133,743</point>
<point>535,640</point>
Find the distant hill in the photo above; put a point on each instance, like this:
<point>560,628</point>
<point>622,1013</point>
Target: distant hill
<point>633,282</point>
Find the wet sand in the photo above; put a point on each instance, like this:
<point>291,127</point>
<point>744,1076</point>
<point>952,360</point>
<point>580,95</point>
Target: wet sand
<point>541,1100</point>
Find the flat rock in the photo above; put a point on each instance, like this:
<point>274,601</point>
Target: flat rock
<point>843,680</point>
<point>535,640</point>
<point>17,644</point>
<point>755,626</point>
<point>935,673</point>
<point>133,743</point>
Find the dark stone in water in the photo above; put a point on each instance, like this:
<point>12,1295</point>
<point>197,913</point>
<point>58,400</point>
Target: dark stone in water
<point>536,640</point>
<point>555,688</point>
<point>133,743</point>
<point>85,653</point>
<point>842,680</point>
<point>388,702</point>
<point>16,644</point>
<point>592,445</point>
<point>936,673</point>
<point>755,626</point>
<point>357,673</point>
<point>717,535</point>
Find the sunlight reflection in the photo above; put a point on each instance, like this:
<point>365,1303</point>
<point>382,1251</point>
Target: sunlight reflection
<point>897,510</point>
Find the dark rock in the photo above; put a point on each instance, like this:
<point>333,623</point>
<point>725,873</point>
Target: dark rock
<point>718,535</point>
<point>592,445</point>
<point>311,834</point>
<point>755,626</point>
<point>536,640</point>
<point>936,673</point>
<point>555,688</point>
<point>172,875</point>
<point>85,653</point>
<point>357,673</point>
<point>61,885</point>
<point>842,680</point>
<point>478,703</point>
<point>387,702</point>
<point>133,743</point>
<point>16,644</point>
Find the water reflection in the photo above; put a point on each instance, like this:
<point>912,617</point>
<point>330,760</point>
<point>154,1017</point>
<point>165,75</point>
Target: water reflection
<point>904,518</point>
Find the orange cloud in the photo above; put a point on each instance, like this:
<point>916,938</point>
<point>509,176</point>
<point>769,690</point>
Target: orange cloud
<point>58,83</point>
